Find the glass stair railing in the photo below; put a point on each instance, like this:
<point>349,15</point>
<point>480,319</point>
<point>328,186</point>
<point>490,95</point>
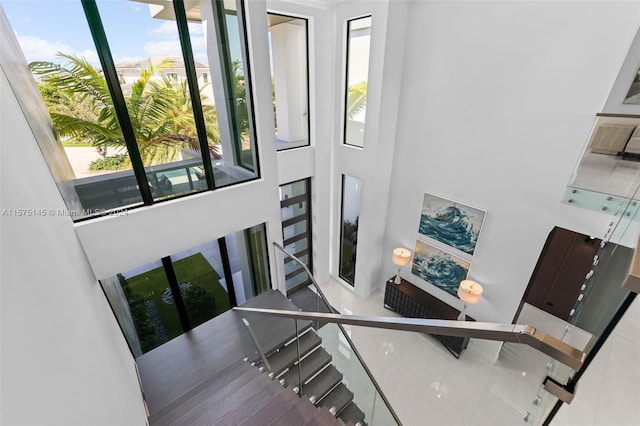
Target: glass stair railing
<point>315,356</point>
<point>607,176</point>
<point>318,361</point>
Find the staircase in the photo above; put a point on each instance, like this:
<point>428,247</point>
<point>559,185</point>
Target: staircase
<point>322,383</point>
<point>242,396</point>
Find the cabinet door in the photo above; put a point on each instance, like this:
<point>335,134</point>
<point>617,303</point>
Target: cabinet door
<point>561,271</point>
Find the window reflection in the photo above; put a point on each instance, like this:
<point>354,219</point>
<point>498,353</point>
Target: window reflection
<point>209,280</point>
<point>349,229</point>
<point>358,43</point>
<point>90,151</point>
<point>93,167</point>
<point>289,72</point>
<point>154,84</point>
<point>633,95</point>
<point>295,199</point>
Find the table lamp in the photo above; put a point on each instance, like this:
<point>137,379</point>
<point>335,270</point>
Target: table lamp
<point>401,257</point>
<point>469,292</point>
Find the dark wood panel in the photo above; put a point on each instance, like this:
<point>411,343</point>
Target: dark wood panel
<point>298,414</point>
<point>560,272</point>
<point>413,302</point>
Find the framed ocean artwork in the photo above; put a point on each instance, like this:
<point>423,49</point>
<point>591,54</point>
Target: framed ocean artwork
<point>438,267</point>
<point>454,224</point>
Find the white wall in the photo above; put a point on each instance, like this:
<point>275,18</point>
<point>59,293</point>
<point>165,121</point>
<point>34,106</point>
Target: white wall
<point>497,100</point>
<point>64,358</point>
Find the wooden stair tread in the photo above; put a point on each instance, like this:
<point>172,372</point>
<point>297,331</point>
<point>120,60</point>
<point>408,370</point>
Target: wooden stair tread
<point>287,356</point>
<point>323,418</point>
<point>309,366</point>
<point>320,385</point>
<point>339,398</point>
<point>272,332</point>
<point>352,414</point>
<point>297,414</point>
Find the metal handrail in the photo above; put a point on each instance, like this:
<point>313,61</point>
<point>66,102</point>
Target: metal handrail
<point>306,269</point>
<point>516,333</point>
<point>344,333</point>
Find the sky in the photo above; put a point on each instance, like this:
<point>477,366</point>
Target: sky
<point>44,28</point>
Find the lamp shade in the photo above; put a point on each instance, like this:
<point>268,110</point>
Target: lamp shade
<point>469,291</point>
<point>401,256</point>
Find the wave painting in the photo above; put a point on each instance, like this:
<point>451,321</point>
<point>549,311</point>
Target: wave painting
<point>451,223</point>
<point>438,267</point>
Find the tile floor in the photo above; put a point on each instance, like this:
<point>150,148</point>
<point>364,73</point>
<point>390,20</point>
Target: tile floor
<point>608,174</point>
<point>426,385</point>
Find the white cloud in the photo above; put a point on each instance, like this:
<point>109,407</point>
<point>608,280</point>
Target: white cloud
<point>38,49</point>
<point>120,59</point>
<point>163,48</point>
<point>167,28</point>
<point>170,28</point>
<point>194,28</point>
<point>198,43</point>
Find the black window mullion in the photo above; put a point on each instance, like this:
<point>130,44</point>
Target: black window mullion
<point>298,254</point>
<point>293,200</point>
<point>307,185</point>
<point>292,221</point>
<point>294,273</point>
<point>295,238</point>
<point>244,48</point>
<point>228,275</point>
<point>192,79</point>
<point>111,76</point>
<point>224,53</point>
<point>175,292</point>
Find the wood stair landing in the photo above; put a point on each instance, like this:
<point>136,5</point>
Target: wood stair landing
<point>244,396</point>
<point>200,377</point>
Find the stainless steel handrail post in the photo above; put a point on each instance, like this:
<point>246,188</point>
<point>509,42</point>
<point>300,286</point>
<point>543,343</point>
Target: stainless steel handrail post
<point>265,361</point>
<point>313,280</point>
<point>299,361</point>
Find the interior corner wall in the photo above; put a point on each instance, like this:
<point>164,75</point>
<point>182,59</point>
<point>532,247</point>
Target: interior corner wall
<point>497,101</point>
<point>64,358</point>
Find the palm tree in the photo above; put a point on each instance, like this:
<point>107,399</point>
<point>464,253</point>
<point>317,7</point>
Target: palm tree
<point>160,111</point>
<point>356,99</point>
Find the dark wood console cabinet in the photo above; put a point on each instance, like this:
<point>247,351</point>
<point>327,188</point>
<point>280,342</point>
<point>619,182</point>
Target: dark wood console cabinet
<point>412,302</point>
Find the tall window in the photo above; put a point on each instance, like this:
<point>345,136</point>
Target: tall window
<point>91,154</point>
<point>156,302</point>
<point>357,75</point>
<point>351,188</point>
<point>289,77</point>
<point>147,106</point>
<point>147,53</point>
<point>295,211</point>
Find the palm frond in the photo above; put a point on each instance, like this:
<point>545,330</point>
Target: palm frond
<point>356,99</point>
